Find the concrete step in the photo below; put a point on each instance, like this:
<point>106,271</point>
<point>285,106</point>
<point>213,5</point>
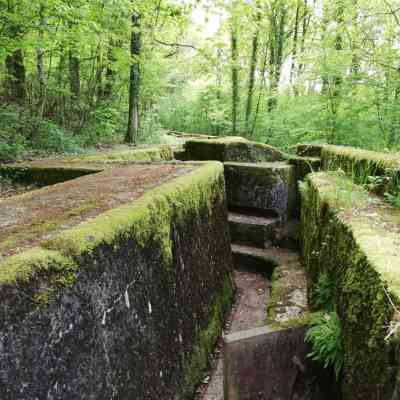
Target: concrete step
<point>268,188</point>
<point>263,232</point>
<point>253,258</point>
<point>253,230</point>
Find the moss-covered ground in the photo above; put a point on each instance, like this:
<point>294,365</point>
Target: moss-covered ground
<point>32,217</point>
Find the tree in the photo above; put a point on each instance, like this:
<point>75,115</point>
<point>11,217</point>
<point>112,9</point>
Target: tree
<point>134,87</point>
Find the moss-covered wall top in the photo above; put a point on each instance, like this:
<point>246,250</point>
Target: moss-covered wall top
<point>50,171</point>
<point>128,303</point>
<point>351,252</point>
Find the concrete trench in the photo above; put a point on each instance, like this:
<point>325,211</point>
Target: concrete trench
<point>254,359</point>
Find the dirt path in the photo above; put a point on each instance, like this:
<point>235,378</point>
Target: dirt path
<point>249,312</point>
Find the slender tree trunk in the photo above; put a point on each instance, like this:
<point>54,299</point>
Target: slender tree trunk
<point>306,21</point>
<point>392,137</point>
<point>325,22</point>
<point>235,76</point>
<point>134,87</point>
<point>338,79</point>
<point>295,40</point>
<point>16,73</point>
<point>109,74</point>
<point>40,61</point>
<point>16,81</point>
<point>253,64</point>
<point>60,84</point>
<point>219,87</point>
<point>276,53</point>
<point>74,75</point>
<point>262,87</point>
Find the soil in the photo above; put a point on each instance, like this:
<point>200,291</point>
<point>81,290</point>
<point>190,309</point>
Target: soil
<point>9,189</point>
<point>30,217</point>
<point>248,312</point>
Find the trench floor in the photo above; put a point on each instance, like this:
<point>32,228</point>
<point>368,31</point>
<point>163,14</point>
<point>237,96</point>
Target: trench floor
<point>249,311</point>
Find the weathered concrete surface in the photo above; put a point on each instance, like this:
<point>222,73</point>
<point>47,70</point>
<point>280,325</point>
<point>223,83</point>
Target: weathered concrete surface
<point>126,305</point>
<point>233,148</point>
<point>26,220</point>
<point>264,365</point>
<point>267,188</point>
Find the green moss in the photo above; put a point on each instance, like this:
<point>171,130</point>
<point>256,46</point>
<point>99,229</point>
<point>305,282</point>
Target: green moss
<point>303,320</point>
<point>34,262</point>
<point>276,291</point>
<point>161,153</point>
<point>207,338</point>
<point>37,229</point>
<point>147,217</point>
<point>360,165</point>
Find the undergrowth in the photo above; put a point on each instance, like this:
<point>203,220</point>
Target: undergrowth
<point>326,339</point>
<point>324,333</point>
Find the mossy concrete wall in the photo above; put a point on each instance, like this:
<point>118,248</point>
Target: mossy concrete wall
<point>361,165</point>
<point>51,171</point>
<point>231,149</point>
<point>125,305</point>
<point>267,188</point>
<point>351,238</point>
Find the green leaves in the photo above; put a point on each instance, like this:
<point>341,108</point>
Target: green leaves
<point>325,337</point>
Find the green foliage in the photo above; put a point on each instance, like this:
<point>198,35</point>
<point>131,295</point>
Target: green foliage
<point>325,338</point>
<point>324,292</point>
<point>394,200</point>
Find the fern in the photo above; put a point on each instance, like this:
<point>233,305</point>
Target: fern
<point>324,292</point>
<point>325,337</point>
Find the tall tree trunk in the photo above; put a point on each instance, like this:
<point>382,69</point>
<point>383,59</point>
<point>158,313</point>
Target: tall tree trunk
<point>295,40</point>
<point>219,74</point>
<point>16,73</point>
<point>306,21</point>
<point>262,87</point>
<point>253,64</point>
<point>109,74</point>
<point>278,21</point>
<point>337,79</point>
<point>40,61</point>
<point>134,87</point>
<point>74,74</point>
<point>16,81</point>
<point>235,76</point>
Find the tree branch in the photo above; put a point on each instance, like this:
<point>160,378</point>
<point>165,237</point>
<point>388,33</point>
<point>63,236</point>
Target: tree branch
<point>175,44</point>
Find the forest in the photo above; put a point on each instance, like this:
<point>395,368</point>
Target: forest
<point>76,74</point>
